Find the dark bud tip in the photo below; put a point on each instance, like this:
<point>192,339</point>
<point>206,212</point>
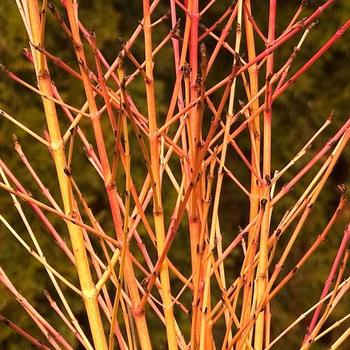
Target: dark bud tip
<point>342,188</point>
<point>51,7</point>
<point>92,32</point>
<point>121,41</point>
<point>67,171</point>
<point>203,49</point>
<point>3,68</point>
<point>330,116</point>
<point>241,103</point>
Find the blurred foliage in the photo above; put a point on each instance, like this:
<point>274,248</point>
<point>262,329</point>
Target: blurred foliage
<point>296,116</point>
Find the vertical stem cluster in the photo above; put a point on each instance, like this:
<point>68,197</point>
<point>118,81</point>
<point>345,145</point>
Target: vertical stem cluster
<point>72,12</point>
<point>76,233</point>
<point>255,177</point>
<point>158,214</point>
<point>262,331</point>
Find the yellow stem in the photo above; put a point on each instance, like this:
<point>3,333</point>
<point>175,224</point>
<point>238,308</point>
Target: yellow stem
<point>88,289</point>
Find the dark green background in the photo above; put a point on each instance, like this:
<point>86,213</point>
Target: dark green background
<point>296,116</point>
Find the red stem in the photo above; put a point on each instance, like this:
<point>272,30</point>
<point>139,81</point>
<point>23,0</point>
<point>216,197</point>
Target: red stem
<point>337,259</point>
